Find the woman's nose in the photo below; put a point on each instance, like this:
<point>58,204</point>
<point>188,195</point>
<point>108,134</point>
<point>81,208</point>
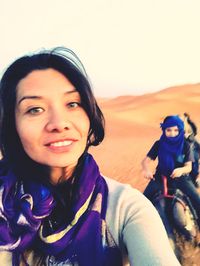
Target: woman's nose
<point>57,122</point>
<point>173,134</point>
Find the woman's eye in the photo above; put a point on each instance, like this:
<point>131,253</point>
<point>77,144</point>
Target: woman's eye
<point>35,110</point>
<point>73,104</point>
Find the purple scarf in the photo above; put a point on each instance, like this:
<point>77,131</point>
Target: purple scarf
<point>22,208</point>
<point>85,241</point>
<point>170,147</point>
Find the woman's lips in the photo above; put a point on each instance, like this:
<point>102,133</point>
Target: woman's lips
<point>61,145</point>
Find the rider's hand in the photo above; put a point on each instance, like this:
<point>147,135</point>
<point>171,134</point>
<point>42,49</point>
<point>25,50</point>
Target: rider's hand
<point>177,173</point>
<point>149,175</point>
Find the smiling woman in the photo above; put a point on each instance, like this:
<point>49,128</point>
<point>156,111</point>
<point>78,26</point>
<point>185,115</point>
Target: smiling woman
<point>50,120</point>
<point>55,205</point>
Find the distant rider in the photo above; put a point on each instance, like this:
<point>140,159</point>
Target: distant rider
<point>175,159</point>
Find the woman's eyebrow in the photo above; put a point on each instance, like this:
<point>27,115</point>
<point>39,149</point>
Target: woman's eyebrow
<point>28,97</point>
<point>40,97</point>
<point>72,91</point>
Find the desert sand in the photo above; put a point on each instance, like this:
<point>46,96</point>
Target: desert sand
<point>132,126</point>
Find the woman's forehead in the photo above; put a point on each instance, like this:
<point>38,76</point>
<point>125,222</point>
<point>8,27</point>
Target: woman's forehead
<point>38,81</point>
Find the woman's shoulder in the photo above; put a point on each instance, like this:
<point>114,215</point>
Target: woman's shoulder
<point>115,185</point>
<point>127,207</point>
<point>120,190</point>
<point>121,195</point>
<point>155,145</point>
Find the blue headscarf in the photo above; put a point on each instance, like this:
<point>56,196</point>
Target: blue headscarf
<point>170,147</point>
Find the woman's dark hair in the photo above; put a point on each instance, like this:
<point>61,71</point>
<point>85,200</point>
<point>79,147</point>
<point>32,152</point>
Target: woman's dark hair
<point>67,63</point>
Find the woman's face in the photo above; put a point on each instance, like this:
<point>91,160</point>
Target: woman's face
<point>171,131</point>
<point>50,121</point>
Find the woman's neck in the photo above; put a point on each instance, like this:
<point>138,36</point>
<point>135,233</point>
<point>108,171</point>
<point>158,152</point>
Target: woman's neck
<point>59,175</point>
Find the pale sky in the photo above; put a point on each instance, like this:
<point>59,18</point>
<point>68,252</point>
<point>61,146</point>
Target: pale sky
<point>127,46</point>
